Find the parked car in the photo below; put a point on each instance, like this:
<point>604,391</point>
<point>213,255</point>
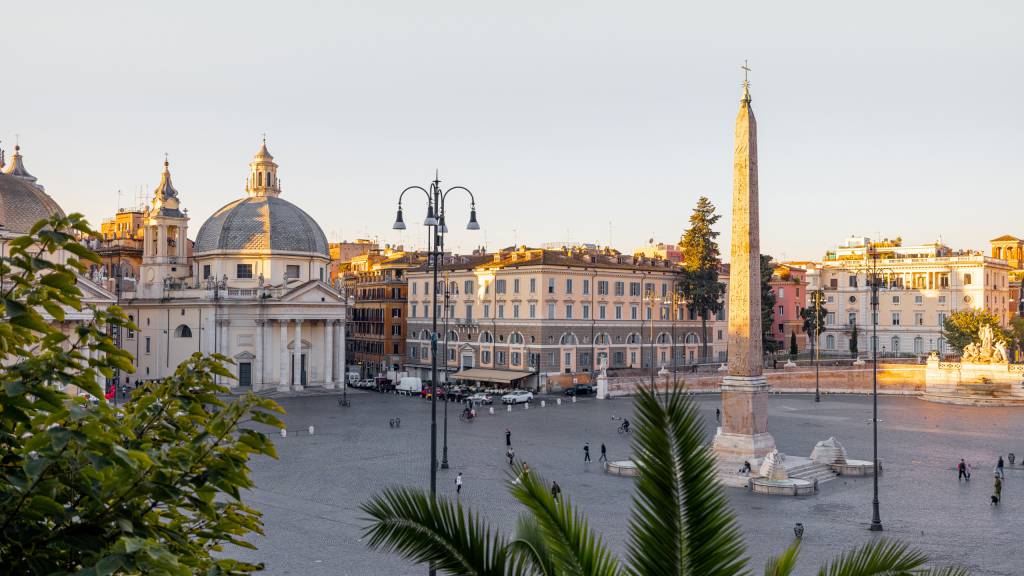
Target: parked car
<point>579,390</point>
<point>365,383</point>
<point>481,398</point>
<point>457,393</point>
<point>517,397</point>
<point>428,391</point>
<point>409,386</point>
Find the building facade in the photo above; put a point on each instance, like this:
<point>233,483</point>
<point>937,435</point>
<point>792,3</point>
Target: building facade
<point>536,313</point>
<point>377,285</point>
<point>255,290</point>
<point>789,285</point>
<point>921,286</point>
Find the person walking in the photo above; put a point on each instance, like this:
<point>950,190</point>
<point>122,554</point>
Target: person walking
<point>604,454</point>
<point>511,454</point>
<point>961,470</point>
<point>718,416</point>
<point>586,452</point>
<point>999,467</point>
<point>508,437</point>
<point>556,490</point>
<point>458,483</point>
<point>969,470</point>
<point>997,491</point>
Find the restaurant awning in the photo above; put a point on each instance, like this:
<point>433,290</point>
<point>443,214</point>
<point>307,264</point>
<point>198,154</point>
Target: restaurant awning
<point>487,375</point>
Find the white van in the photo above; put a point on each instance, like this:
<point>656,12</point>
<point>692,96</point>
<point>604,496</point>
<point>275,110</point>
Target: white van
<point>409,386</point>
<point>352,378</point>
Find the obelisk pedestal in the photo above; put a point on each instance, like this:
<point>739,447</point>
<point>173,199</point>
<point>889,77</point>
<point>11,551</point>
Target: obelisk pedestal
<point>743,436</point>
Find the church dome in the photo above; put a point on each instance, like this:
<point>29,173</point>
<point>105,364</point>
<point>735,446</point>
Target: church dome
<point>22,201</point>
<point>262,222</point>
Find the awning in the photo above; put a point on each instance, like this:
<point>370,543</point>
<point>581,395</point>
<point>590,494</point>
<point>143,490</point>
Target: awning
<point>487,375</point>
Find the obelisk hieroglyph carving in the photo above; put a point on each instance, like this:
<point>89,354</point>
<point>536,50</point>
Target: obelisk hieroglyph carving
<point>744,435</point>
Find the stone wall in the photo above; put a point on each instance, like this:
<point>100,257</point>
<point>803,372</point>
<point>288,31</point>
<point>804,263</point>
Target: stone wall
<point>892,379</point>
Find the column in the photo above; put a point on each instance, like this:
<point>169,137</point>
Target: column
<point>297,355</point>
<point>282,383</point>
<point>257,364</point>
<point>342,368</point>
<point>329,354</point>
<point>161,244</point>
<point>225,348</point>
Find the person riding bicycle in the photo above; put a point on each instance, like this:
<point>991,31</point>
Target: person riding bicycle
<point>625,425</point>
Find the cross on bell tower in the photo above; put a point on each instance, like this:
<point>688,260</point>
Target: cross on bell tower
<point>262,179</point>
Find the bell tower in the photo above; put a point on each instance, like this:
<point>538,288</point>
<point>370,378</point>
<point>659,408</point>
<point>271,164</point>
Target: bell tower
<point>165,236</point>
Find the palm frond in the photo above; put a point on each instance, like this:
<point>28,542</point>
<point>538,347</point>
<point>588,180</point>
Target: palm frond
<point>425,530</point>
<point>529,550</point>
<point>575,550</point>
<point>681,521</point>
<point>783,564</point>
<point>882,558</point>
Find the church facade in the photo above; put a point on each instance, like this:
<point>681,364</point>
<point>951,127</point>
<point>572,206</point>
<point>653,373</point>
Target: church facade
<point>255,289</point>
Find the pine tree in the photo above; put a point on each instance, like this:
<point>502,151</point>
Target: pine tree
<point>698,281</point>
<point>768,343</point>
<point>793,350</point>
<point>853,342</point>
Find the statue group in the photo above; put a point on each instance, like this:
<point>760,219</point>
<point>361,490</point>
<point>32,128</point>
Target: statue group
<point>988,351</point>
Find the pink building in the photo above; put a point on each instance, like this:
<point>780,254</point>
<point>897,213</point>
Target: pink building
<point>789,283</point>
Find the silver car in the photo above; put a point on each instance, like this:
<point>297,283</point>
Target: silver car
<point>517,397</point>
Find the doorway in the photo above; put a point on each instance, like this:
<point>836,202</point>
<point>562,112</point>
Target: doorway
<point>302,370</point>
<point>245,374</point>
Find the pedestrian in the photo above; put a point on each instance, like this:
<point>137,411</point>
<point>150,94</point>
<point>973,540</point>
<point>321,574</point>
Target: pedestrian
<point>961,470</point>
<point>997,491</point>
<point>586,452</point>
<point>969,471</point>
<point>604,454</point>
<point>508,437</point>
<point>511,455</point>
<point>999,467</point>
<point>458,483</point>
<point>718,416</point>
<point>555,490</point>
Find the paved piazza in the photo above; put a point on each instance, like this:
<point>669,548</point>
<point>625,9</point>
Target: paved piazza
<point>310,496</point>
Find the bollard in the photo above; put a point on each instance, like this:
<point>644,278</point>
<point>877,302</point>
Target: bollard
<point>558,401</point>
<point>526,406</point>
<point>574,399</point>
<point>542,405</point>
<point>509,408</point>
<point>284,433</point>
<point>491,410</point>
<point>310,430</point>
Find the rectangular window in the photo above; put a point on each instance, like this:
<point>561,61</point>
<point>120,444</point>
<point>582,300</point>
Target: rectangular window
<point>396,329</point>
<point>515,286</point>
<point>413,288</point>
<point>517,358</point>
<point>782,291</point>
<point>568,311</point>
<point>426,287</point>
<point>206,271</point>
<point>469,312</point>
<point>568,285</point>
<point>602,287</point>
<point>533,310</point>
<point>618,311</point>
<point>586,286</point>
<point>551,285</point>
<point>895,299</point>
<point>396,312</point>
<point>485,356</point>
<point>852,318</point>
<point>620,289</point>
<point>487,310</point>
<point>500,357</point>
<point>586,311</point>
<point>243,271</point>
<point>942,299</point>
<point>664,290</point>
<point>918,299</point>
<point>830,319</point>
<point>533,285</point>
<point>499,286</point>
<point>291,271</point>
<point>515,310</point>
<point>601,311</point>
<point>633,313</point>
<point>468,288</point>
<point>147,344</point>
<point>853,281</point>
<point>634,288</point>
<point>551,311</point>
<point>942,318</point>
<point>501,310</point>
<point>895,318</point>
<point>415,351</point>
<point>648,312</point>
<point>919,318</point>
<point>413,314</point>
<point>782,311</point>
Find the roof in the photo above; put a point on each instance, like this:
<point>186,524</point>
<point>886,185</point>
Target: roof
<point>488,375</point>
<point>261,224</point>
<point>543,257</point>
<point>22,204</point>
<point>1006,238</point>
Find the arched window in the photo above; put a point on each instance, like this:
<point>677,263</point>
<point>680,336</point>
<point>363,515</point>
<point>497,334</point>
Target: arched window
<point>425,335</point>
<point>895,344</point>
<point>515,338</point>
<point>664,338</point>
<point>633,338</point>
<point>602,340</point>
<point>830,342</point>
<point>486,337</point>
<point>453,336</point>
<point>918,345</point>
<point>259,178</point>
<point>183,331</point>
<point>691,338</point>
<point>568,339</point>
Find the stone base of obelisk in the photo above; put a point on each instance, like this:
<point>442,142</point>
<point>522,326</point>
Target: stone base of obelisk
<point>743,436</point>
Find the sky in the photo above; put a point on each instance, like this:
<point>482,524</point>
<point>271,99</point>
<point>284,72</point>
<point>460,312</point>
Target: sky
<point>570,121</point>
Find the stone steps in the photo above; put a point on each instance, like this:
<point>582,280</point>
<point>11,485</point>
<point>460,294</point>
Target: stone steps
<point>812,471</point>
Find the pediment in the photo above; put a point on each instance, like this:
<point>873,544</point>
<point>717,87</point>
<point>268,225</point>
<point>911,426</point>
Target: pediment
<point>313,292</point>
<point>245,356</point>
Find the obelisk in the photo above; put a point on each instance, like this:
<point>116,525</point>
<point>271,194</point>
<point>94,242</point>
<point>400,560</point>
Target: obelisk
<point>743,435</point>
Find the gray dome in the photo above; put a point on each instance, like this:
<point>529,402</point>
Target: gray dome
<point>261,224</point>
<point>22,204</point>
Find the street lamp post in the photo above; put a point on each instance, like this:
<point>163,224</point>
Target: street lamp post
<point>435,222</point>
<point>817,343</point>
<point>876,520</point>
<point>444,450</point>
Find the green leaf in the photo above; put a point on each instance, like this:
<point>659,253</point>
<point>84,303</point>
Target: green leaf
<point>783,564</point>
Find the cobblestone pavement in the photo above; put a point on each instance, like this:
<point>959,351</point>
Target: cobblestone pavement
<point>310,496</point>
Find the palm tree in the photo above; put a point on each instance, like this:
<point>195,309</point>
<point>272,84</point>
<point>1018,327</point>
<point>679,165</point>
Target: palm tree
<point>681,523</point>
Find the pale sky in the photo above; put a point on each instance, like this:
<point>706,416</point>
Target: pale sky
<point>568,120</point>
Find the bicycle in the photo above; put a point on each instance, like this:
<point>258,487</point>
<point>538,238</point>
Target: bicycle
<point>466,417</point>
<point>622,429</point>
